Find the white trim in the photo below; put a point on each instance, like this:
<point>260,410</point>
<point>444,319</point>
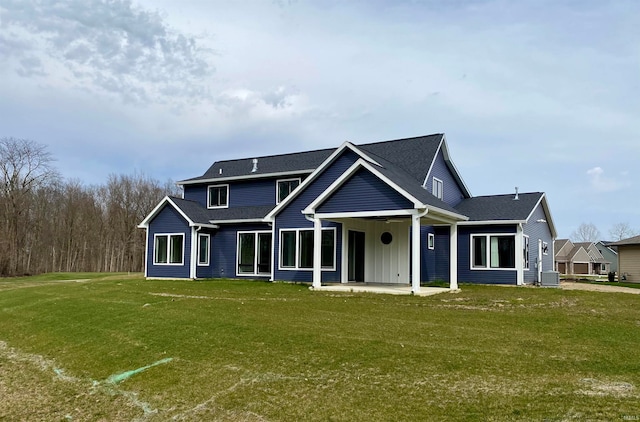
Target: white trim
<point>209,206</point>
<point>433,188</point>
<point>311,208</point>
<point>297,255</point>
<point>317,252</point>
<point>415,253</point>
<point>316,173</point>
<point>491,222</point>
<point>527,267</point>
<point>453,256</point>
<point>433,163</point>
<point>208,236</point>
<point>248,220</point>
<point>547,252</point>
<point>363,214</point>
<point>158,208</point>
<point>545,208</point>
<point>249,176</point>
<point>431,241</point>
<point>519,255</point>
<point>146,252</point>
<point>169,235</point>
<point>256,246</point>
<point>488,252</point>
<point>193,259</point>
<point>299,179</point>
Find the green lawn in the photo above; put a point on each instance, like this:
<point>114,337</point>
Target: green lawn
<point>244,350</point>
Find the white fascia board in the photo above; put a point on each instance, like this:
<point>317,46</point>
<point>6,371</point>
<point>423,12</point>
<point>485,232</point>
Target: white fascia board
<point>302,186</point>
<point>360,163</point>
<point>453,168</point>
<point>433,162</point>
<point>490,222</point>
<point>167,200</point>
<point>156,210</point>
<point>245,177</point>
<point>364,214</point>
<point>455,216</point>
<point>547,213</point>
<point>247,220</point>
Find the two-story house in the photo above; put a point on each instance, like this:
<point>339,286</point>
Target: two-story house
<point>393,212</point>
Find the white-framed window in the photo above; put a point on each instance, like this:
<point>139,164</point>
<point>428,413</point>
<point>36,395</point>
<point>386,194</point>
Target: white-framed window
<point>493,251</point>
<point>431,241</point>
<point>204,244</point>
<point>284,187</point>
<point>438,188</point>
<point>254,253</point>
<point>603,267</point>
<point>168,249</point>
<point>296,249</point>
<point>545,248</point>
<point>525,251</point>
<point>218,196</point>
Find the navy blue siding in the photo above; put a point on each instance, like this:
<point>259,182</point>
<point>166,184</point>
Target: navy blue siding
<point>427,256</point>
<point>364,192</point>
<point>169,220</point>
<point>537,231</point>
<point>465,273</point>
<point>452,193</point>
<point>434,265</point>
<point>196,193</point>
<point>291,217</point>
<point>207,271</point>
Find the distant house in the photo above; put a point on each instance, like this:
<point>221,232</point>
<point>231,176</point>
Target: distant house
<point>609,254</point>
<point>582,258</point>
<point>628,259</point>
<point>393,212</point>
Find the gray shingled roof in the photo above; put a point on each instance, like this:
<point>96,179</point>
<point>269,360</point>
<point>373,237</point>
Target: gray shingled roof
<point>299,161</point>
<point>499,207</point>
<point>630,241</point>
<point>201,215</point>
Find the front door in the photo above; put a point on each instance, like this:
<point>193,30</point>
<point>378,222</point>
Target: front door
<point>356,256</point>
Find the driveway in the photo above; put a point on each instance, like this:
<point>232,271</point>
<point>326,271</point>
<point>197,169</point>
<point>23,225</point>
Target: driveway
<point>568,285</point>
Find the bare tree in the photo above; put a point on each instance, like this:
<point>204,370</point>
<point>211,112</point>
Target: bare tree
<point>25,166</point>
<point>586,232</point>
<point>621,231</point>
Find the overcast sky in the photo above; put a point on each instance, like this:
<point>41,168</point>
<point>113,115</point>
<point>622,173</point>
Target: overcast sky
<point>543,95</point>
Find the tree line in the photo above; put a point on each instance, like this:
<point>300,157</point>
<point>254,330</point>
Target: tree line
<point>588,232</point>
<point>49,224</point>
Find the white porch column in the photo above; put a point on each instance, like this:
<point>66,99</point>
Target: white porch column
<point>453,257</point>
<point>415,253</point>
<point>519,255</point>
<point>317,252</point>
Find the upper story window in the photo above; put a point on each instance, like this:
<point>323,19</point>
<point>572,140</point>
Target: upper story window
<point>285,187</point>
<point>218,196</point>
<point>438,188</point>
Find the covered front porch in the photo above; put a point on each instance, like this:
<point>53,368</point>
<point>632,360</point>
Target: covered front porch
<point>380,289</point>
<point>382,250</point>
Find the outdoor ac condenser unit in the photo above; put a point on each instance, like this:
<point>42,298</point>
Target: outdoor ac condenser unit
<point>550,279</point>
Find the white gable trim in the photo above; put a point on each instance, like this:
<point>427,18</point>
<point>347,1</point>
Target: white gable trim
<point>547,212</point>
<point>490,222</point>
<point>360,163</point>
<point>452,167</point>
<point>302,186</point>
<point>167,200</point>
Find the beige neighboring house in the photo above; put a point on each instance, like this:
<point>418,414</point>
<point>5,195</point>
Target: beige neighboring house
<point>581,258</point>
<point>628,259</point>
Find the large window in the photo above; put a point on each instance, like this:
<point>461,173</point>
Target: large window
<point>203,249</point>
<point>493,251</point>
<point>284,188</point>
<point>218,196</point>
<point>296,249</point>
<point>254,253</point>
<point>438,188</point>
<point>168,249</point>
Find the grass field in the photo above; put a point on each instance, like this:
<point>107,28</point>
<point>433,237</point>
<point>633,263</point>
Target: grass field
<point>122,348</point>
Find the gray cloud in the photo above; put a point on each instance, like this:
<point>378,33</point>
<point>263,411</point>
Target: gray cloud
<point>107,46</point>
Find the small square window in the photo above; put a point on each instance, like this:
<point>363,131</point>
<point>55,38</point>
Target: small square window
<point>218,196</point>
<point>431,241</point>
<point>284,188</point>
